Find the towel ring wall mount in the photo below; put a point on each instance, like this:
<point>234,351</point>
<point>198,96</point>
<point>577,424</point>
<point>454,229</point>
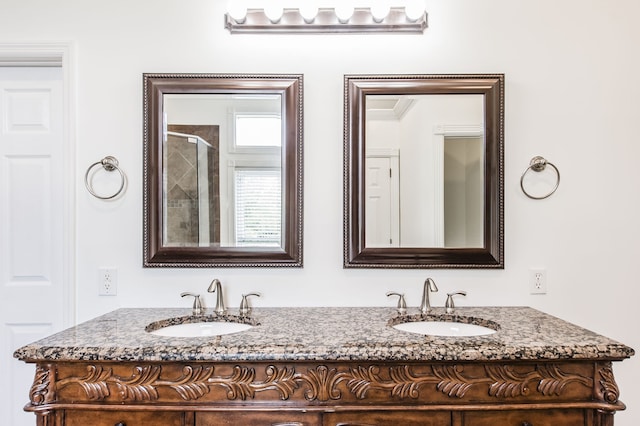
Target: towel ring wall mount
<point>109,163</point>
<point>538,164</point>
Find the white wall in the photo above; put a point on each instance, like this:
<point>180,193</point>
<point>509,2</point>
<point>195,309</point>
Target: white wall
<point>572,95</point>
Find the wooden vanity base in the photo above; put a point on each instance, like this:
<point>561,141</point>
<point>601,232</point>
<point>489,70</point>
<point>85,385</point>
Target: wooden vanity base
<point>484,393</point>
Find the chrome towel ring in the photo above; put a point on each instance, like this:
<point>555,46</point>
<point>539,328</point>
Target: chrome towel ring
<point>110,164</point>
<point>538,164</point>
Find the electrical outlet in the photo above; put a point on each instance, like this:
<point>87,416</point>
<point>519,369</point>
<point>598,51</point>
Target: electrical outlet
<point>107,281</point>
<point>538,281</point>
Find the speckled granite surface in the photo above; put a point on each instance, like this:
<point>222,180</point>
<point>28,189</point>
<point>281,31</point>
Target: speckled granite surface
<point>327,334</point>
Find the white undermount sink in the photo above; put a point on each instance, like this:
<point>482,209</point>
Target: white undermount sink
<point>444,328</point>
<point>199,329</point>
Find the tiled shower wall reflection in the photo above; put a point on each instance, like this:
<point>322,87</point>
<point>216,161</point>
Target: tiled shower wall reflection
<point>182,217</point>
<point>182,191</point>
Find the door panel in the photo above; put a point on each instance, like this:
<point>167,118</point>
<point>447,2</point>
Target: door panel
<point>31,223</point>
<point>257,418</point>
<point>389,418</point>
<point>382,202</point>
<point>124,418</point>
<point>525,418</point>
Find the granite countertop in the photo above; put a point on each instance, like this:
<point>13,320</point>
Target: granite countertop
<point>325,334</point>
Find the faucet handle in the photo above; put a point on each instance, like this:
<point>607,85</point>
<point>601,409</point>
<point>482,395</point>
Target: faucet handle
<point>245,309</point>
<point>197,302</point>
<point>402,304</point>
<point>449,305</point>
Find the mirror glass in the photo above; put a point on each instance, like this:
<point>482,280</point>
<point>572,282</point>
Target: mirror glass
<point>423,183</point>
<point>223,170</point>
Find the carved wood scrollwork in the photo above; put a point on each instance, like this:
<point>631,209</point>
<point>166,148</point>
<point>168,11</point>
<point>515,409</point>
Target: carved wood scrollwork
<point>95,383</point>
<point>239,384</point>
<point>193,384</point>
<point>608,385</point>
<point>322,383</point>
<point>242,384</point>
<point>551,381</point>
<point>141,386</point>
<point>41,390</point>
<point>402,383</point>
<point>502,380</point>
<point>451,381</point>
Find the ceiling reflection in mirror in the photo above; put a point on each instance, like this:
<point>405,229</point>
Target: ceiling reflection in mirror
<point>223,170</point>
<point>424,164</point>
<point>424,171</point>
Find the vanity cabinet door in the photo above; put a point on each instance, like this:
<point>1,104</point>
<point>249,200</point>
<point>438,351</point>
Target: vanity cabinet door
<point>525,418</point>
<point>389,418</point>
<point>258,418</point>
<point>123,418</point>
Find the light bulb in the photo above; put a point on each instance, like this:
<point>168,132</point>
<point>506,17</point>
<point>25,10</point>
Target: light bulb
<point>415,9</point>
<point>344,11</point>
<point>237,10</point>
<point>274,10</point>
<point>308,10</point>
<point>379,11</point>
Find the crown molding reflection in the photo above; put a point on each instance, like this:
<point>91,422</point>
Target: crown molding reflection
<point>326,21</point>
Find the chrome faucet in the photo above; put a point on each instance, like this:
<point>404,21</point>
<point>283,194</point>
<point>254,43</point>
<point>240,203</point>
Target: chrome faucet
<point>402,305</point>
<point>216,287</point>
<point>197,302</point>
<point>245,308</point>
<point>429,286</point>
<point>450,306</point>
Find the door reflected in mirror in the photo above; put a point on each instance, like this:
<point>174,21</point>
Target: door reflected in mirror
<point>223,170</point>
<point>424,170</point>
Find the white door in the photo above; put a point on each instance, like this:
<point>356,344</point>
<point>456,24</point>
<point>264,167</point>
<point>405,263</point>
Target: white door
<point>32,252</point>
<point>382,210</point>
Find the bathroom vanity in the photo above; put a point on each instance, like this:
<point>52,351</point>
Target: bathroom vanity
<point>325,366</point>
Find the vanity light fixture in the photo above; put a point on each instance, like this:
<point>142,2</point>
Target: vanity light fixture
<point>309,17</point>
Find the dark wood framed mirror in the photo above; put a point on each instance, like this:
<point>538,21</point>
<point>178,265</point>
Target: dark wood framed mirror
<point>424,171</point>
<point>222,170</point>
